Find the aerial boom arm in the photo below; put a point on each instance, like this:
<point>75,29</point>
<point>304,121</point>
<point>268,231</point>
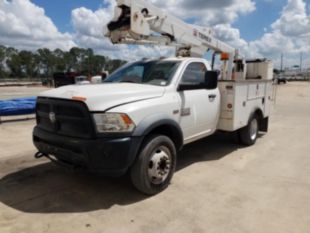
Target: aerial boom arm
<point>139,22</point>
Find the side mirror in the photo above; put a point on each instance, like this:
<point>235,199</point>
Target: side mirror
<point>211,79</point>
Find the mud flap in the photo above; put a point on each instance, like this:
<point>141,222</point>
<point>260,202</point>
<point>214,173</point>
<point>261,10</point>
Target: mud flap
<point>263,126</point>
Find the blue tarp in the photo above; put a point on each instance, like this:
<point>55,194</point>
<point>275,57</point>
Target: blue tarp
<point>20,106</point>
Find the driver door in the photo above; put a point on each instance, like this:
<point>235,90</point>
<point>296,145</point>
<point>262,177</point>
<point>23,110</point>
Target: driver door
<point>199,107</point>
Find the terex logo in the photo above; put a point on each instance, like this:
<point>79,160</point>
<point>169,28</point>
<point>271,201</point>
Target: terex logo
<point>202,36</point>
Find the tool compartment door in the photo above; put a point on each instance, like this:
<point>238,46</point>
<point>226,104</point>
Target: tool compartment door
<point>256,90</point>
<point>239,100</point>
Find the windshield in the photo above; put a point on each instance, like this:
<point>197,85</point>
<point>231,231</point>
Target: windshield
<point>156,72</point>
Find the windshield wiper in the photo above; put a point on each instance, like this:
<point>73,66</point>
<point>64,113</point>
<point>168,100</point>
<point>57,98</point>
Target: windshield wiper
<point>128,81</point>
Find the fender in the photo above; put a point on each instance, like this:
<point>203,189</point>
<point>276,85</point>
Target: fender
<point>153,122</point>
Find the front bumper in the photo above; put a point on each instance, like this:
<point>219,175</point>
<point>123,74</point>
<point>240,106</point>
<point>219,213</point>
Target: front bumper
<point>111,156</point>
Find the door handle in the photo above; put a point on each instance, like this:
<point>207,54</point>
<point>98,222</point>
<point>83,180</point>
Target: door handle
<point>212,96</point>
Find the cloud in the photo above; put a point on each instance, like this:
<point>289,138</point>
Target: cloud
<point>290,35</point>
<point>88,27</point>
<point>227,33</point>
<point>294,20</point>
<point>25,25</point>
<point>208,12</point>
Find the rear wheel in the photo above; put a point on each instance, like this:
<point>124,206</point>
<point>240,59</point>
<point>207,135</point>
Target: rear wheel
<point>248,134</point>
<point>155,165</point>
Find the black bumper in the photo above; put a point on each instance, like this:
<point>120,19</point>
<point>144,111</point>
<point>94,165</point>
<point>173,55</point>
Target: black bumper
<point>111,156</point>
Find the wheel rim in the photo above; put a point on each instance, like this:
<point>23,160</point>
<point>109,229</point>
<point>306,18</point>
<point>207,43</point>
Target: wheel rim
<point>253,129</point>
<point>159,165</point>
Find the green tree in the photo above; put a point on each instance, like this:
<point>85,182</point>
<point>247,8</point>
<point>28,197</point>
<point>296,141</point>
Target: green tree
<point>29,63</point>
<point>23,63</point>
<point>76,58</point>
<point>14,63</point>
<point>99,63</point>
<point>47,61</point>
<point>2,59</point>
<point>60,61</point>
<point>87,65</point>
<point>114,64</point>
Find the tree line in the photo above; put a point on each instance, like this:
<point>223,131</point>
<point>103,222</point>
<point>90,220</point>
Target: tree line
<point>44,62</point>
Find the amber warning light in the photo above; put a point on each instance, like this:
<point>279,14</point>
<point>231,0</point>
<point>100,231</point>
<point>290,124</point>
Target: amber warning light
<point>224,56</point>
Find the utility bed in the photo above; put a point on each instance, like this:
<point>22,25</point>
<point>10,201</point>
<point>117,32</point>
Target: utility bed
<point>239,99</point>
<point>251,92</point>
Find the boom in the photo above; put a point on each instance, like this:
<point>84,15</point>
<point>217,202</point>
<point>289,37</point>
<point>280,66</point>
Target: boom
<point>139,22</point>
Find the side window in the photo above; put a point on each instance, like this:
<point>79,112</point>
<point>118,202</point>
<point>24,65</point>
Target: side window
<point>194,73</point>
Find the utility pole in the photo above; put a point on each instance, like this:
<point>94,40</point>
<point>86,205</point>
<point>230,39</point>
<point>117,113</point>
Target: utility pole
<point>281,62</point>
<point>301,58</point>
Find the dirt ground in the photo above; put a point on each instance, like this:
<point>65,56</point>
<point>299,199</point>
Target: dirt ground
<point>219,186</point>
<point>22,91</point>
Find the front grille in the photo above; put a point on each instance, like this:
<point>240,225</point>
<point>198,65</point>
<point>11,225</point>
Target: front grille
<point>64,117</point>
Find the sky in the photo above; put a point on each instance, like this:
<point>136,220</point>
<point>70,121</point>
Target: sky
<point>259,28</point>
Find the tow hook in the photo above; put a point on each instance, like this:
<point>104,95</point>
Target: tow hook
<point>39,155</point>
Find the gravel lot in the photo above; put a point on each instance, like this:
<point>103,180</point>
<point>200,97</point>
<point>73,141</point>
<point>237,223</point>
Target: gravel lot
<point>219,186</point>
<point>22,91</point>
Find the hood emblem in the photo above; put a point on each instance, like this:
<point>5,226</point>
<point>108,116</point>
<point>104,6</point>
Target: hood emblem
<point>52,117</point>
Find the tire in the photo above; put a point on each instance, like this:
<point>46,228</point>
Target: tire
<point>248,134</point>
<point>155,165</point>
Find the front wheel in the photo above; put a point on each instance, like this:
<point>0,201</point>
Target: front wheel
<point>248,134</point>
<point>155,165</point>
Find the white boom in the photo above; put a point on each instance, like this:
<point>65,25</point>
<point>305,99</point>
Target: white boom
<point>139,22</point>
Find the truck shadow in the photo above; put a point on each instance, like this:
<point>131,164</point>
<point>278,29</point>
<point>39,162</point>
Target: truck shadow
<point>212,148</point>
<point>46,188</point>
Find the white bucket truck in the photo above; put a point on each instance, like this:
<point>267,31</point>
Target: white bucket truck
<point>146,111</point>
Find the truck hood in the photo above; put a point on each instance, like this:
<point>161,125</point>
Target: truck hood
<point>101,97</point>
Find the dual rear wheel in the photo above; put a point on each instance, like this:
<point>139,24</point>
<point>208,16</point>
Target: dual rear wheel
<point>248,134</point>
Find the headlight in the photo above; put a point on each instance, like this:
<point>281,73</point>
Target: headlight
<point>113,123</point>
